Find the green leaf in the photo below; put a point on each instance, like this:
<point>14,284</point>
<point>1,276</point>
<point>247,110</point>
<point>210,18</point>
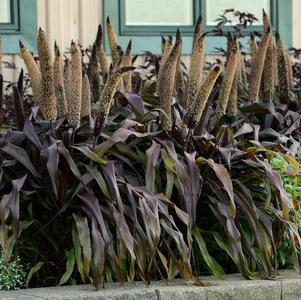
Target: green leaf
<point>152,155</point>
<point>92,155</point>
<point>100,180</point>
<point>85,241</point>
<point>214,267</point>
<point>34,270</point>
<point>69,266</point>
<point>78,252</point>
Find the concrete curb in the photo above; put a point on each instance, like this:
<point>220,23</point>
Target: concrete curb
<point>287,286</point>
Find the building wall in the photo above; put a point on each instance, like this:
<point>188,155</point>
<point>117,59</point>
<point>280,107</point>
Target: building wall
<point>296,23</point>
<point>64,20</point>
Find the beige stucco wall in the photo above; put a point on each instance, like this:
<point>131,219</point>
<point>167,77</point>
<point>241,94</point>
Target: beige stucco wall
<point>296,23</point>
<point>64,20</point>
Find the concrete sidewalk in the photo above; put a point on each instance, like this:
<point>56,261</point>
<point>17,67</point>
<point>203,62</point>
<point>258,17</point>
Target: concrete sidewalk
<point>287,286</point>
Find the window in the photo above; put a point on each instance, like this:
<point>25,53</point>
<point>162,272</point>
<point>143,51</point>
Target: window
<point>18,21</point>
<point>144,21</point>
<point>5,11</point>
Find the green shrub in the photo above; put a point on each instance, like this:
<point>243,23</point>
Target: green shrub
<point>12,275</point>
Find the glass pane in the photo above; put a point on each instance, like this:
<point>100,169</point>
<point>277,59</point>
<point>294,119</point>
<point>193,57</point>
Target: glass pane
<point>5,11</point>
<point>216,7</point>
<point>158,12</point>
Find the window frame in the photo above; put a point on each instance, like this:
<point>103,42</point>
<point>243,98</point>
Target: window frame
<point>14,23</point>
<point>23,27</point>
<point>149,39</point>
<point>156,29</point>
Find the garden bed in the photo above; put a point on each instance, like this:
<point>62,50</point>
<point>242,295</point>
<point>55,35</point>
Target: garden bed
<point>287,286</point>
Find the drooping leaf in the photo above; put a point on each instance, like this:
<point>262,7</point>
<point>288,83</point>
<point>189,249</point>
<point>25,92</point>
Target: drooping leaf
<point>85,242</point>
<point>152,155</point>
<point>214,267</point>
<point>21,156</point>
<point>32,271</point>
<point>69,266</point>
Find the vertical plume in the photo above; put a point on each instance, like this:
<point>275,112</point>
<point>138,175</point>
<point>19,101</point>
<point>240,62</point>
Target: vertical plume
<point>166,82</point>
<point>74,106</point>
<point>33,71</point>
<point>282,67</point>
<point>253,46</point>
<point>196,109</point>
<point>104,64</point>
<point>59,86</point>
<point>126,62</point>
<point>107,98</point>
<point>86,97</point>
<point>268,76</point>
<point>228,79</point>
<point>113,43</point>
<point>257,66</point>
<point>94,75</point>
<point>167,47</point>
<point>290,75</point>
<point>47,100</point>
<point>1,55</point>
<point>67,81</point>
<point>196,64</point>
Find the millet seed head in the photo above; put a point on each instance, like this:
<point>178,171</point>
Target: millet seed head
<point>33,71</point>
<point>227,82</point>
<point>59,85</point>
<point>86,97</point>
<point>196,109</point>
<point>74,106</point>
<point>258,65</point>
<point>94,74</point>
<point>113,43</point>
<point>166,82</point>
<point>282,67</point>
<point>107,97</point>
<point>48,99</point>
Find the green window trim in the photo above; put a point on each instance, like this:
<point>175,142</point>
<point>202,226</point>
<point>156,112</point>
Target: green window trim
<point>14,14</point>
<point>23,27</point>
<point>149,37</point>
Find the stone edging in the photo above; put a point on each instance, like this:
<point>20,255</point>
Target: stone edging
<point>286,287</point>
